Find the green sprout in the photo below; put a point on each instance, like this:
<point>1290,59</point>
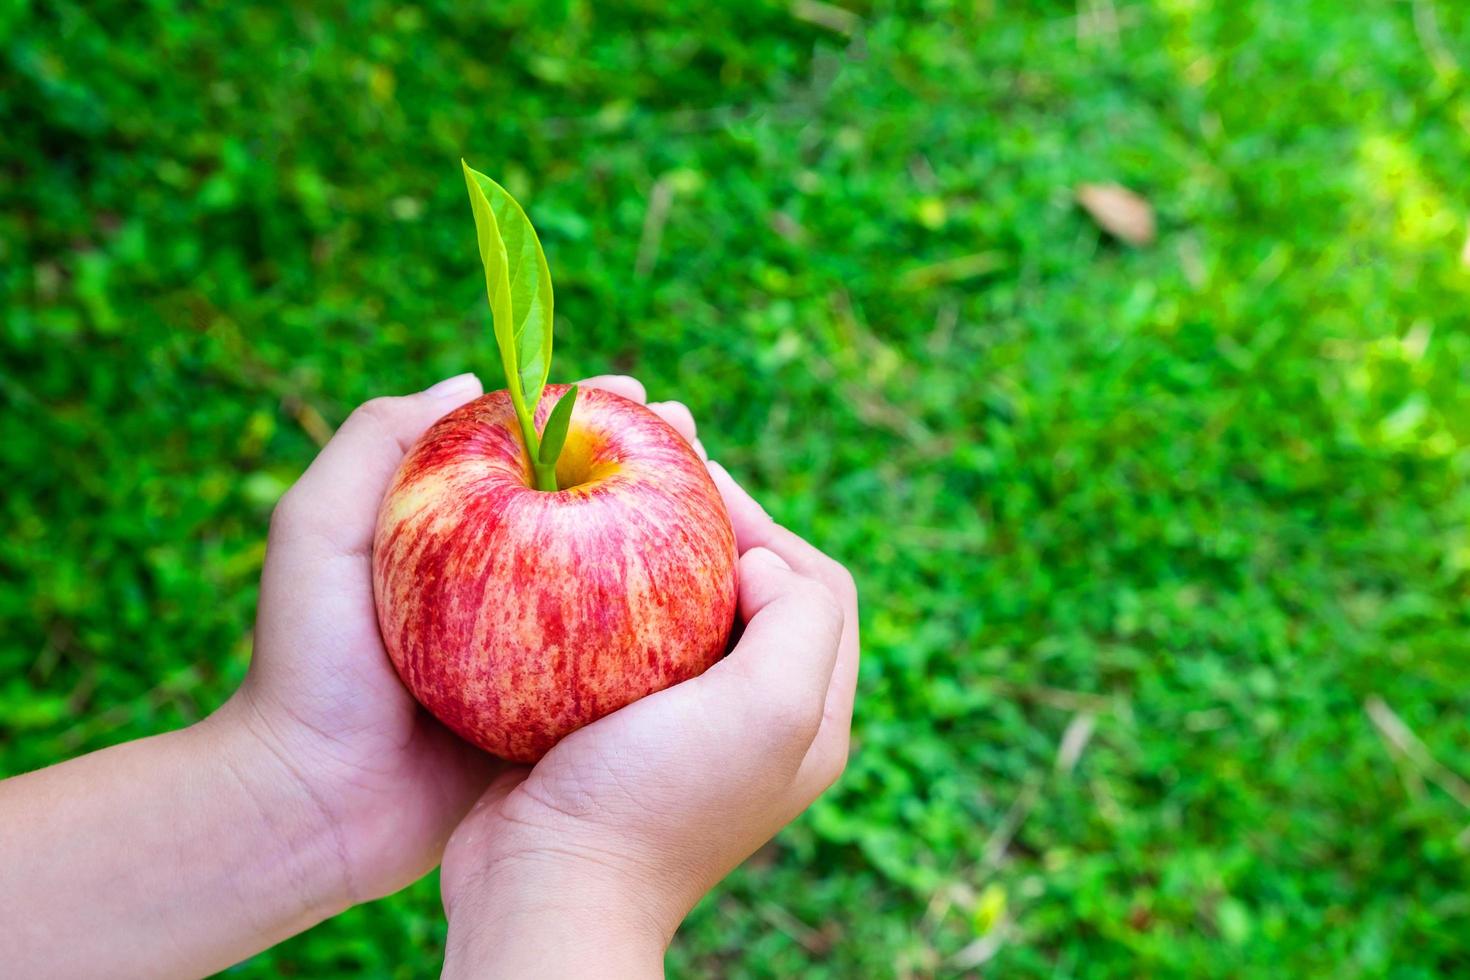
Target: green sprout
<point>518,282</point>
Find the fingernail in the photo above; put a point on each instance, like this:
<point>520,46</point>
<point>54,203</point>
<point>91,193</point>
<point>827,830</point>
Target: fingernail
<point>459,386</point>
<point>768,556</point>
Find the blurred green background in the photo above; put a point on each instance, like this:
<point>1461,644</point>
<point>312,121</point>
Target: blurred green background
<point>1164,550</point>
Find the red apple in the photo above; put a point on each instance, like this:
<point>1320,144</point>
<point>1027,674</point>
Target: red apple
<point>517,615</point>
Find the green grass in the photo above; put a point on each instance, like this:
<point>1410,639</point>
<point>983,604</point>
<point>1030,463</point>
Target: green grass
<point>1210,494</point>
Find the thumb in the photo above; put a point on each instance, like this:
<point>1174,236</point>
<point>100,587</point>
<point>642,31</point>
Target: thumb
<point>337,497</point>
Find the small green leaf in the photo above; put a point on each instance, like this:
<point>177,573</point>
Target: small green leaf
<point>518,282</point>
<point>497,282</point>
<point>554,435</point>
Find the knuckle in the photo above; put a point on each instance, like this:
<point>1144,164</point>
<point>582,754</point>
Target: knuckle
<point>375,411</point>
<point>286,516</point>
<point>838,578</point>
<point>835,756</point>
<point>825,608</point>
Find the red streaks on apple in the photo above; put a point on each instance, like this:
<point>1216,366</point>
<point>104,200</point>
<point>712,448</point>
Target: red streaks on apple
<point>517,616</point>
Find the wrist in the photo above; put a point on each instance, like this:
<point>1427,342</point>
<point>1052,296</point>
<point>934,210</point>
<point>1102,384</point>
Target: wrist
<point>540,918</point>
<point>299,832</point>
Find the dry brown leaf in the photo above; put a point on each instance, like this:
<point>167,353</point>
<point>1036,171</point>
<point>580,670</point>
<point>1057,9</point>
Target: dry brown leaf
<point>1119,212</point>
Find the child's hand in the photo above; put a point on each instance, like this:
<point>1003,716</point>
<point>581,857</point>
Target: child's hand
<point>586,864</point>
<point>387,780</point>
<point>321,783</point>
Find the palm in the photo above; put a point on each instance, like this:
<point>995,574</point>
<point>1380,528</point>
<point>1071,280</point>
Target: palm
<point>382,769</point>
<point>626,769</point>
<point>385,746</point>
<point>630,760</point>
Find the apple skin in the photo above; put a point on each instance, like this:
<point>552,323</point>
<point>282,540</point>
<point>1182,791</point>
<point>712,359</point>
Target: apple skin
<point>517,616</point>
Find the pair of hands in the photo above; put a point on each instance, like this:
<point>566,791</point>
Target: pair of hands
<point>598,852</point>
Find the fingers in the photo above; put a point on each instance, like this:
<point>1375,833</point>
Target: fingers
<point>337,498</point>
<point>619,384</point>
<point>782,667</point>
<point>752,524</point>
<point>677,414</point>
<point>755,529</point>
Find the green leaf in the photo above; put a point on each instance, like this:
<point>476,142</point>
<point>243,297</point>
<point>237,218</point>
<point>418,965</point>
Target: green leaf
<point>518,282</point>
<point>554,435</point>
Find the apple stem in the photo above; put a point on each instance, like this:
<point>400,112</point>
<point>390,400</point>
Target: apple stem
<point>545,476</point>
<point>544,473</point>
